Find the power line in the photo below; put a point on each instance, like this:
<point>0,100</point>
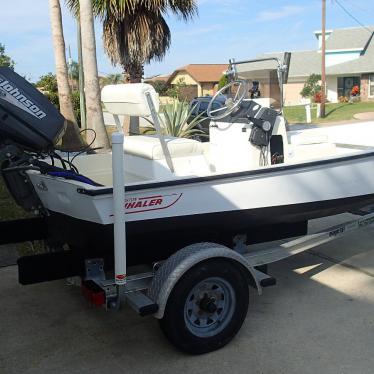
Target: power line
<point>352,16</point>
<point>360,8</point>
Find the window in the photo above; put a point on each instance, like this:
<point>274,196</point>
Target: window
<point>371,85</point>
<point>345,85</point>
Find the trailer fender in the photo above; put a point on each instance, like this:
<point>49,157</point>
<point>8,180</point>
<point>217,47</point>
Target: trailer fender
<point>180,262</point>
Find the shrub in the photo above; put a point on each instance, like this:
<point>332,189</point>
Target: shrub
<point>175,121</point>
<point>343,99</point>
<point>223,81</point>
<point>47,84</point>
<point>311,86</point>
<point>317,98</point>
<point>355,91</point>
<point>160,87</point>
<point>175,90</point>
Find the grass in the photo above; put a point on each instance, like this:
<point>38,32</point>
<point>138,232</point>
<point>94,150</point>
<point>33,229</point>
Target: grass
<point>334,112</point>
<point>8,208</point>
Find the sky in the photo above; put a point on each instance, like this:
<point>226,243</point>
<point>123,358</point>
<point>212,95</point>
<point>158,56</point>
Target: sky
<point>224,29</point>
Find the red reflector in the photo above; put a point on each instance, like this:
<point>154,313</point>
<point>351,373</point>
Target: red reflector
<point>94,296</point>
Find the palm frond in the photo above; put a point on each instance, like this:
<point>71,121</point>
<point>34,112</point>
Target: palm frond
<point>135,31</point>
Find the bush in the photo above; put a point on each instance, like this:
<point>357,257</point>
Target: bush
<point>223,81</point>
<point>311,86</point>
<point>175,90</point>
<point>355,91</point>
<point>176,121</point>
<point>343,99</point>
<point>160,87</point>
<point>48,86</point>
<point>317,98</point>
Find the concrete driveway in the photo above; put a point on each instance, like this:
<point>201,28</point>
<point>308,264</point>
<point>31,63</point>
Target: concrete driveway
<point>318,319</point>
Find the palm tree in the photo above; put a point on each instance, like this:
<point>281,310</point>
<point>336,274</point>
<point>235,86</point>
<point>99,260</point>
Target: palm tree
<point>94,111</point>
<point>112,79</point>
<point>71,139</point>
<point>135,31</point>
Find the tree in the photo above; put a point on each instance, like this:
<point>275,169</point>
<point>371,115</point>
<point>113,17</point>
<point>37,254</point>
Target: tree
<point>94,111</point>
<point>74,70</point>
<point>5,60</point>
<point>47,84</point>
<point>71,138</point>
<point>311,86</point>
<point>135,31</point>
<point>160,86</point>
<point>177,89</point>
<point>112,79</point>
<point>223,81</point>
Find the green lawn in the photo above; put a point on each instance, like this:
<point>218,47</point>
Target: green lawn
<point>8,208</point>
<point>334,112</point>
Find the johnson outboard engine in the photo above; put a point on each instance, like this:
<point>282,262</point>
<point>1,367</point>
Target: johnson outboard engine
<point>27,118</point>
<point>30,127</point>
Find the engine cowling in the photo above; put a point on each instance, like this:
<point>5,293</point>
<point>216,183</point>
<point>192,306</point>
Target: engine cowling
<point>27,117</point>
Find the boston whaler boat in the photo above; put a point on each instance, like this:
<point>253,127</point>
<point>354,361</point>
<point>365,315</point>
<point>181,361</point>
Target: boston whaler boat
<point>252,182</point>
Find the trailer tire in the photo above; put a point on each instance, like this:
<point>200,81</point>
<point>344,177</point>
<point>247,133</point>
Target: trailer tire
<point>206,307</point>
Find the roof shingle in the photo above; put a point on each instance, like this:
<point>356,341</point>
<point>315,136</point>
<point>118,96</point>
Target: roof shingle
<point>349,38</point>
<point>202,72</point>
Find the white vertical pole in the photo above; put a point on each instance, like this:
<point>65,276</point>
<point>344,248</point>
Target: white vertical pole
<point>318,110</point>
<point>308,113</point>
<point>118,169</point>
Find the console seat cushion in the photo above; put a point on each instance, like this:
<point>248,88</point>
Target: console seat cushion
<point>149,147</point>
<point>306,139</point>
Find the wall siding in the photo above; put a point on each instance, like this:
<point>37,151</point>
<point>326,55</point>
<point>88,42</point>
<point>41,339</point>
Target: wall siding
<point>365,88</point>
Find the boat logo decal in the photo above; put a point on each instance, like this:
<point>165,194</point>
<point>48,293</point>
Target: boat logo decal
<point>148,203</point>
<point>41,186</point>
<point>10,93</point>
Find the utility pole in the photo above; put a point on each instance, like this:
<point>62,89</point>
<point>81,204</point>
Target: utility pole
<point>323,75</point>
<point>82,99</point>
<point>70,64</point>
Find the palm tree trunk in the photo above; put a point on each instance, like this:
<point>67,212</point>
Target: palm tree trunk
<point>71,138</point>
<point>94,110</point>
<point>135,72</point>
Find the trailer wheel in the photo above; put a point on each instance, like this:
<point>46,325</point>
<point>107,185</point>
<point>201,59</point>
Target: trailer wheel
<point>207,307</point>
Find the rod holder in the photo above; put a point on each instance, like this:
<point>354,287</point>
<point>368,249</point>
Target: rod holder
<point>118,168</point>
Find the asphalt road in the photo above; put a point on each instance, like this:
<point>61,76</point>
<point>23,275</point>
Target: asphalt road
<point>318,319</point>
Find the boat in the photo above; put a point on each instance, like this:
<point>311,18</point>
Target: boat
<point>253,178</point>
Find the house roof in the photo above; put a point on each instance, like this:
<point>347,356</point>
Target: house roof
<point>304,63</point>
<point>349,38</point>
<point>159,77</point>
<point>364,64</point>
<point>202,72</point>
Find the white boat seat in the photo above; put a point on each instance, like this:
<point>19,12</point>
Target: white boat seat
<point>307,139</point>
<point>149,147</point>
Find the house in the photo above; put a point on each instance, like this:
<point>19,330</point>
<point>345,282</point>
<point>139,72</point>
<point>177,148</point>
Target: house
<point>197,79</point>
<point>349,63</point>
<point>157,78</point>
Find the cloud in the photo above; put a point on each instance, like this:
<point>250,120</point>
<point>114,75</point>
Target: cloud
<point>284,12</point>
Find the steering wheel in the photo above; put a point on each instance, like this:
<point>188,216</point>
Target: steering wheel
<point>242,88</point>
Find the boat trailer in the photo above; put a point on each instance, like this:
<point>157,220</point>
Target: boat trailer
<point>207,309</point>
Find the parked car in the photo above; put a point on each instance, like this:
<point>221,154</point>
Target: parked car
<point>199,105</point>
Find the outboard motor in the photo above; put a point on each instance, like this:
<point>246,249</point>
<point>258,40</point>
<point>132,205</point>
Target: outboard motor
<point>30,126</point>
<point>27,117</point>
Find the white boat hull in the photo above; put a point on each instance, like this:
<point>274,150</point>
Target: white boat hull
<point>337,178</point>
